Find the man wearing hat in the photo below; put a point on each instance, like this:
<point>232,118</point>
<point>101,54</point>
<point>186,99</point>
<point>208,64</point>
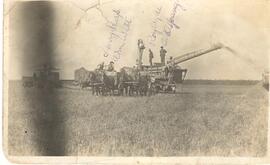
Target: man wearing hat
<point>171,62</point>
<point>162,55</point>
<point>171,69</point>
<point>151,56</point>
<point>101,66</point>
<point>111,66</point>
<point>141,48</point>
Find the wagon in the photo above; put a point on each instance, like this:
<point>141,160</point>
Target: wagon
<point>82,77</point>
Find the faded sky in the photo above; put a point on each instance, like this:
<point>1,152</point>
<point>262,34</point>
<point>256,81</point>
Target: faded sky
<point>80,36</point>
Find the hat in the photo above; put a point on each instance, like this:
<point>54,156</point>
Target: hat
<point>111,62</point>
<point>161,47</point>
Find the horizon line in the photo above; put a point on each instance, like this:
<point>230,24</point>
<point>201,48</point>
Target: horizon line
<point>183,80</point>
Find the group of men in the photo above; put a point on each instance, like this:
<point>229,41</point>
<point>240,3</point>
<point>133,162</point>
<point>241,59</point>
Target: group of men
<point>110,67</point>
<point>141,48</point>
<point>169,69</point>
<point>162,56</point>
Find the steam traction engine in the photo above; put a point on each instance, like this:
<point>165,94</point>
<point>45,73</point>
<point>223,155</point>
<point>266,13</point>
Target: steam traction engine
<point>44,77</point>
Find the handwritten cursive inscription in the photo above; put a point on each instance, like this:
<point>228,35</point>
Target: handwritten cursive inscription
<point>118,34</point>
<point>155,25</point>
<point>170,22</point>
<point>162,27</point>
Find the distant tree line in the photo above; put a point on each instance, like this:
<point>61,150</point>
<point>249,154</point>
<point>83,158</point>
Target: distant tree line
<point>221,82</point>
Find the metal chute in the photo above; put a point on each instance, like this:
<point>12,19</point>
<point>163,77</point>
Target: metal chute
<point>195,54</point>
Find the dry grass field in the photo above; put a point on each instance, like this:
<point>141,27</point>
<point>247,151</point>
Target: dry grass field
<point>199,120</point>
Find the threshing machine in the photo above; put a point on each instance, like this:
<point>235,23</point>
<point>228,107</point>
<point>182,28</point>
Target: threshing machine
<point>164,78</point>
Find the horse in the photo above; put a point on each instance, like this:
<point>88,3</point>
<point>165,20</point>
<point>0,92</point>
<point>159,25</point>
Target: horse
<point>110,81</point>
<point>144,84</point>
<point>96,83</point>
<point>128,78</point>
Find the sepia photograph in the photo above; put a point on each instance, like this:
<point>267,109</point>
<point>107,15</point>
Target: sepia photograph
<point>136,79</point>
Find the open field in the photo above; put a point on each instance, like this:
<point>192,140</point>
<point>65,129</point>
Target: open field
<point>199,120</point>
